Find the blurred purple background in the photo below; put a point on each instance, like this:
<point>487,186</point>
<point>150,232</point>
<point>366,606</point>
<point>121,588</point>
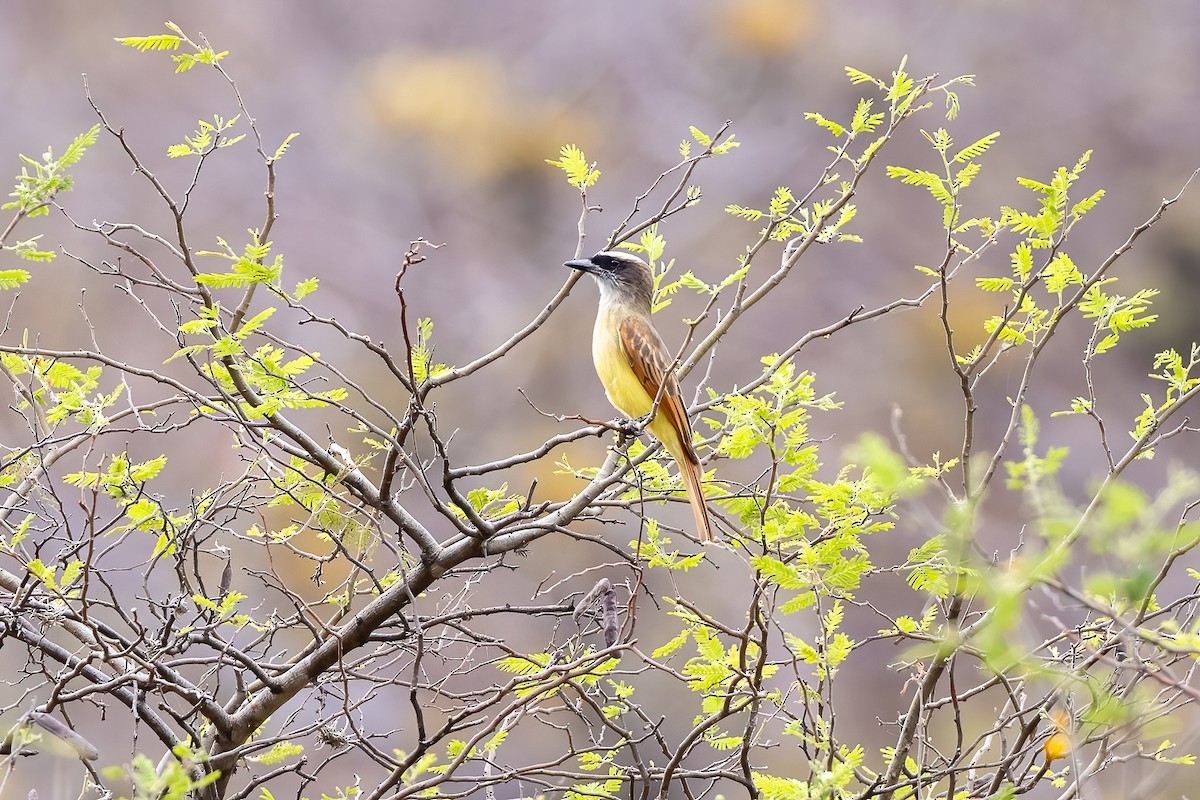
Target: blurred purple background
<point>434,120</point>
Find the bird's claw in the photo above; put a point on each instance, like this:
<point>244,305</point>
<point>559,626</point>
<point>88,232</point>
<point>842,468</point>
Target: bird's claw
<point>627,431</point>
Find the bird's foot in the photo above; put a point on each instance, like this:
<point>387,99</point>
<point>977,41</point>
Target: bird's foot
<point>628,430</point>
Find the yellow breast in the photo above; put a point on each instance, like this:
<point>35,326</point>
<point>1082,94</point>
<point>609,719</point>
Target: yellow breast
<point>623,388</point>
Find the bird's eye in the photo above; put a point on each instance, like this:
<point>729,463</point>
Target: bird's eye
<point>607,262</point>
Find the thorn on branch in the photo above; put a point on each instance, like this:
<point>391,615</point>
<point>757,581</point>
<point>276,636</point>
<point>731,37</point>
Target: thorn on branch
<point>529,494</point>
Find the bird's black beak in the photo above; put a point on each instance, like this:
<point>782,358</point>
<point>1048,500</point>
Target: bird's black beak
<point>581,264</point>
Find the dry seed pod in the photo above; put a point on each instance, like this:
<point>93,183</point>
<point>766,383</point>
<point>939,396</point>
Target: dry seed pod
<point>60,730</point>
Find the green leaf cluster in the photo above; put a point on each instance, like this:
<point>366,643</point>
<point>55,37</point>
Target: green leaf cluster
<point>787,219</point>
<point>206,138</point>
<point>1115,314</point>
<point>201,53</point>
<point>889,469</point>
<point>279,752</point>
<point>173,779</point>
<point>831,779</point>
<point>424,764</point>
<point>58,584</point>
<point>223,606</point>
<point>36,187</point>
<point>1177,374</point>
<point>594,760</point>
<point>597,789</point>
<point>457,749</point>
<point>1045,230</point>
<point>835,560</point>
<point>246,269</point>
<point>929,570</point>
<point>63,390</point>
<point>929,567</point>
<point>494,503</point>
<point>1056,213</point>
<point>1138,531</point>
<point>706,141</point>
<point>772,421</point>
<point>421,354</point>
<point>308,487</point>
<point>34,190</point>
<point>958,171</point>
<point>650,246</point>
<point>864,120</point>
<point>1033,469</point>
<point>829,648</point>
<point>277,380</point>
<point>1027,319</point>
<point>654,549</point>
<point>125,482</point>
<point>775,415</point>
<point>654,477</point>
<point>579,171</point>
<point>716,670</point>
<point>122,478</point>
<point>904,97</point>
<point>532,665</point>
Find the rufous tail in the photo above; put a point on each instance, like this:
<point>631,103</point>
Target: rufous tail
<point>691,472</point>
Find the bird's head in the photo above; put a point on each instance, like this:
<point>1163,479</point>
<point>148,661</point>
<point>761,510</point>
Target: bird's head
<point>621,275</point>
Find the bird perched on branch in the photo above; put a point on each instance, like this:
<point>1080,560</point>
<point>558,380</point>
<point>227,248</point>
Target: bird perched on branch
<point>635,366</point>
<point>1059,744</point>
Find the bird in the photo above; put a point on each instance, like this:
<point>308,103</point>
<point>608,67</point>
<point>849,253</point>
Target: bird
<point>635,366</point>
<point>1059,744</point>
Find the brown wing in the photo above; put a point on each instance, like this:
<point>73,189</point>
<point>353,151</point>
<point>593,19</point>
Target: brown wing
<point>649,360</point>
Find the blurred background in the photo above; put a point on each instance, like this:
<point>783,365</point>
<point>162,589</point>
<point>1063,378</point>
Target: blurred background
<point>434,120</point>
